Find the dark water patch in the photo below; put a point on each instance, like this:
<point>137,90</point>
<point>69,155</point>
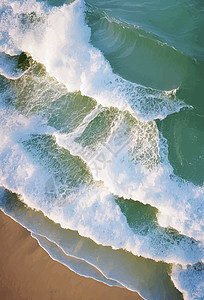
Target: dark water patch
<point>68,112</point>
<point>191,89</point>
<point>176,23</point>
<point>142,219</point>
<point>6,92</point>
<point>137,56</point>
<point>99,128</point>
<point>185,134</point>
<point>69,171</point>
<point>56,2</point>
<point>24,61</point>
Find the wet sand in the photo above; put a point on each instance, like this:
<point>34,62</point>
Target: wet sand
<point>27,272</point>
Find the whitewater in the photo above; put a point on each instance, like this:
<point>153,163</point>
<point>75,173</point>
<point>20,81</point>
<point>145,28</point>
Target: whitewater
<point>80,145</point>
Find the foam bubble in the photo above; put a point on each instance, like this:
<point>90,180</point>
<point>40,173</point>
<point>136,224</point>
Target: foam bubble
<point>132,161</point>
<point>8,66</point>
<point>128,158</point>
<point>189,280</point>
<point>133,272</point>
<point>60,39</point>
<point>50,179</point>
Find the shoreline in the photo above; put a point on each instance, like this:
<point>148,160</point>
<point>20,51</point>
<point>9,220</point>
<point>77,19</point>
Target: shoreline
<point>28,272</point>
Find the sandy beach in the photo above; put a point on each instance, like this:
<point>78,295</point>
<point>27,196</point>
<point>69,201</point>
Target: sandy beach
<point>27,271</point>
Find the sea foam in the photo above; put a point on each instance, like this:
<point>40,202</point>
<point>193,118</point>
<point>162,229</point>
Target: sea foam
<point>129,160</point>
<point>60,39</point>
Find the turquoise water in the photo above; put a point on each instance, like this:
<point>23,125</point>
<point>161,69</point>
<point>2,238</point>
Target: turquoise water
<point>102,137</point>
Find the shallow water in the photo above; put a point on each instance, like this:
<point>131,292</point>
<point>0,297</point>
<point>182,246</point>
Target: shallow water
<point>101,128</point>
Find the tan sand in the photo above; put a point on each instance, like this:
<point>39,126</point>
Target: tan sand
<point>27,272</point>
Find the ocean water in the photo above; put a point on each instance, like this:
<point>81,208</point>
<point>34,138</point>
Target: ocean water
<point>102,137</point>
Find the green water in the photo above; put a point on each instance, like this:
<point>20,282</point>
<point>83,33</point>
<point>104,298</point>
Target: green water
<point>160,44</point>
<point>95,180</point>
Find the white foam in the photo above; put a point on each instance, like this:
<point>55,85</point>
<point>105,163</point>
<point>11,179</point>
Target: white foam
<point>89,209</point>
<point>121,266</point>
<point>101,220</point>
<point>92,209</point>
<point>133,163</point>
<point>60,39</point>
<point>8,66</point>
<point>189,280</point>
